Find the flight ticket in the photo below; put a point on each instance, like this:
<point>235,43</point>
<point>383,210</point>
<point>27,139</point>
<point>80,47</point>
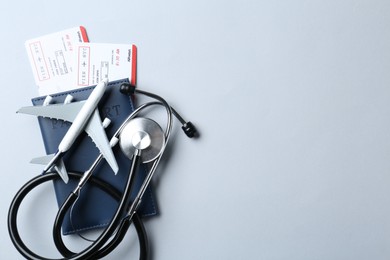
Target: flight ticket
<point>51,58</point>
<point>65,60</point>
<point>97,61</point>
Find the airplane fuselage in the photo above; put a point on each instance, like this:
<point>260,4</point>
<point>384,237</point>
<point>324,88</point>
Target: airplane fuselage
<point>82,117</point>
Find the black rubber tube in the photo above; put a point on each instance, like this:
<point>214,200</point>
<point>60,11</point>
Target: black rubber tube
<point>33,183</point>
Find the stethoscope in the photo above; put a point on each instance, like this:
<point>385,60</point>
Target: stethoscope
<point>142,140</point>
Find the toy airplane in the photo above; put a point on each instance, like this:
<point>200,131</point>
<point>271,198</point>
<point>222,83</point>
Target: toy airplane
<point>84,116</point>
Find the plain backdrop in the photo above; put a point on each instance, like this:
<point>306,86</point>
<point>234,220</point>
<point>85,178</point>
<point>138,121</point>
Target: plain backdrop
<point>292,102</point>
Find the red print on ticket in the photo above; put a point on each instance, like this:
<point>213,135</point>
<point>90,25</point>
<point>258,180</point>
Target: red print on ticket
<point>52,61</point>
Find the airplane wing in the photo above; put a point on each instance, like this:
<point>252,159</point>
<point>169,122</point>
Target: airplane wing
<point>67,112</point>
<point>95,130</point>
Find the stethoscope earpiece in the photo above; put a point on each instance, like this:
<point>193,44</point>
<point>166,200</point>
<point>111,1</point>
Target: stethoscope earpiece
<point>127,89</point>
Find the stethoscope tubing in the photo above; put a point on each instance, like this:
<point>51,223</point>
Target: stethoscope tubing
<point>93,251</point>
<point>120,222</point>
<point>109,189</point>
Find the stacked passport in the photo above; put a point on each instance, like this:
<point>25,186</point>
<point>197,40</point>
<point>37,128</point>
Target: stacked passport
<point>94,208</point>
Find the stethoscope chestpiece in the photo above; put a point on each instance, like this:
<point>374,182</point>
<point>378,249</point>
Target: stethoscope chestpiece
<point>142,136</point>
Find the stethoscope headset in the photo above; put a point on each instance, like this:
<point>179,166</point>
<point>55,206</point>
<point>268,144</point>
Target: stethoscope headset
<point>142,140</point>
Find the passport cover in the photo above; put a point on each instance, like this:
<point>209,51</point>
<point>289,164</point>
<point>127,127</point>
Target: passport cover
<point>94,208</point>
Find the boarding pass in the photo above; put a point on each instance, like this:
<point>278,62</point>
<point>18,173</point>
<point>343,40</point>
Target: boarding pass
<point>51,58</point>
<point>97,61</point>
<point>65,60</point>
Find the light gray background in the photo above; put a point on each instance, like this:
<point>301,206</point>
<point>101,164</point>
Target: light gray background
<point>292,101</point>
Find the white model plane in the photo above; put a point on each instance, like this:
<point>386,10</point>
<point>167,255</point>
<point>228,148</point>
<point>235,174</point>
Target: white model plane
<point>84,116</point>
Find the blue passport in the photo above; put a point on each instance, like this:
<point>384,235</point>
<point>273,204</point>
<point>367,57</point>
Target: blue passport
<point>94,208</point>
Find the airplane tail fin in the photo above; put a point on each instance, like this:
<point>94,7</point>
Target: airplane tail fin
<point>59,166</point>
